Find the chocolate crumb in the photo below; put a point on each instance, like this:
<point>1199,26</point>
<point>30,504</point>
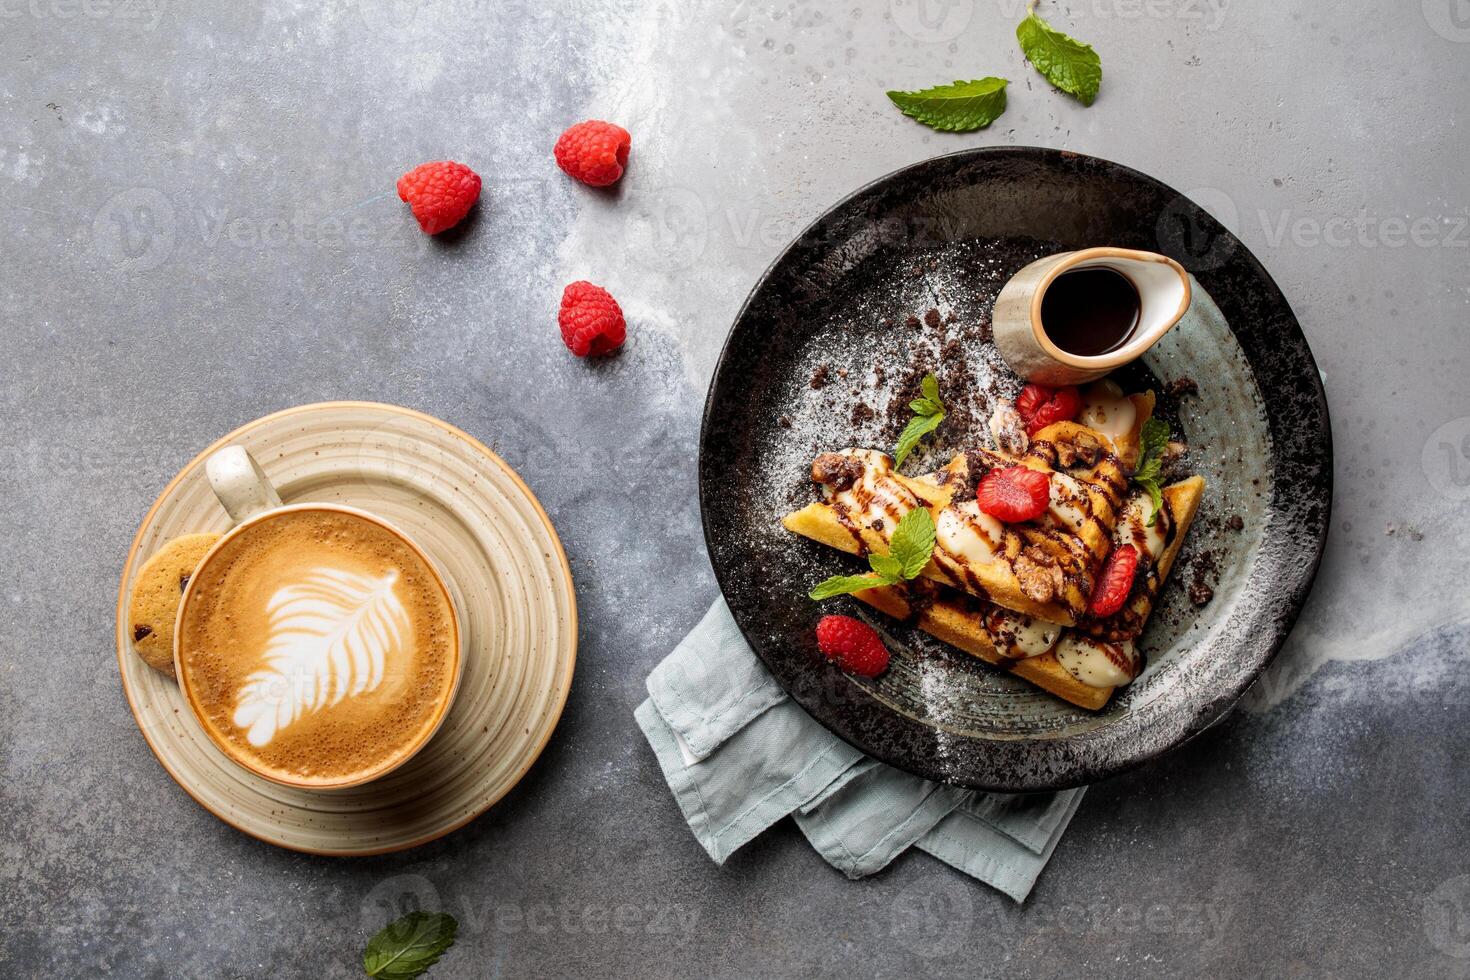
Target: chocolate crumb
<point>931,319</point>
<point>912,322</point>
<point>1180,387</point>
<point>897,413</point>
<point>1235,523</point>
<point>836,471</point>
<point>139,632</point>
<point>861,412</point>
<point>784,421</point>
<point>1206,566</point>
<point>820,375</point>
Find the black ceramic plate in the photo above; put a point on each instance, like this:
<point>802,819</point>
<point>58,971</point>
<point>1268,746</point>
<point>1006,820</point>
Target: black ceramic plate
<point>899,278</point>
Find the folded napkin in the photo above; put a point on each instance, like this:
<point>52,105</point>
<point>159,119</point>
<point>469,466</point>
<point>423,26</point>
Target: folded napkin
<point>739,755</point>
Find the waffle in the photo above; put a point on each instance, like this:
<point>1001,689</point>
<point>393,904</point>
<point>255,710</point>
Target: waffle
<point>1044,568</point>
<point>1082,665</point>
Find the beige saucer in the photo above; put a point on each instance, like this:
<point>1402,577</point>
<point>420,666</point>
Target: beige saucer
<point>510,581</point>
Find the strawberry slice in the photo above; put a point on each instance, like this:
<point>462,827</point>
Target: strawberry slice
<point>1040,406</point>
<point>1115,582</point>
<point>1014,494</point>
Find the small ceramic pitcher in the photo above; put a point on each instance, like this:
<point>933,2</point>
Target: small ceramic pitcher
<point>1163,293</point>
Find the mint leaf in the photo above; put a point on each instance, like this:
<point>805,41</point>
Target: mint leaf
<point>929,403</point>
<point>912,543</point>
<point>1154,438</point>
<point>958,108</point>
<point>406,948</point>
<point>917,429</point>
<point>887,566</point>
<point>844,585</point>
<point>1153,443</point>
<point>1156,496</point>
<point>909,551</point>
<point>928,413</point>
<point>1066,62</point>
<point>926,407</point>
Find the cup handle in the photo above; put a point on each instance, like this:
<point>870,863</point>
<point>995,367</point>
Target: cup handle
<point>240,484</point>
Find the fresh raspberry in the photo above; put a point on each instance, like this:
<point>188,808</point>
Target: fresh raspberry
<point>441,194</point>
<point>594,152</point>
<point>1115,582</point>
<point>591,320</point>
<point>1040,406</point>
<point>1014,493</point>
<point>852,645</point>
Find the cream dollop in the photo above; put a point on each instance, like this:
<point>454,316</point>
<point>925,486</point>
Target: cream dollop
<point>1068,502</point>
<point>1133,526</point>
<point>1106,409</point>
<point>876,495</point>
<point>1029,637</point>
<point>968,533</point>
<point>1098,663</point>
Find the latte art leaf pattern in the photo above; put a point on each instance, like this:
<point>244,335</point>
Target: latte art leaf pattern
<point>330,638</point>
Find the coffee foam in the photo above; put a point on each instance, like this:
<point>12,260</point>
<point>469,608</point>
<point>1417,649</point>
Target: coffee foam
<point>318,646</point>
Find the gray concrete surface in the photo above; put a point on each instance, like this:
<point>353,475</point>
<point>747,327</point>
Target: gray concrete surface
<point>199,227</point>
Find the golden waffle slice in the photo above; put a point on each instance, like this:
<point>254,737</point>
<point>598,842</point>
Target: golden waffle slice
<point>1157,546</point>
<point>1042,568</point>
<point>866,499</point>
<point>1079,665</point>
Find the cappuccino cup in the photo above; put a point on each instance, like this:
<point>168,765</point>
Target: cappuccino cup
<point>317,645</point>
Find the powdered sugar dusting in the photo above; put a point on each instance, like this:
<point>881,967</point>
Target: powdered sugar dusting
<point>850,386</point>
<point>855,369</point>
<point>932,313</point>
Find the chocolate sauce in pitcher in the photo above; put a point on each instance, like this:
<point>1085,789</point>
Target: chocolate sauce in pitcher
<point>1090,311</point>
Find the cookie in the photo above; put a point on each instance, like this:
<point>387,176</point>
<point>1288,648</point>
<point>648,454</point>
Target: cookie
<point>156,593</point>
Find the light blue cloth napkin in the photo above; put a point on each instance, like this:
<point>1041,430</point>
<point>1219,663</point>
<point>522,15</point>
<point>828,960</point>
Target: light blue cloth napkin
<point>739,755</point>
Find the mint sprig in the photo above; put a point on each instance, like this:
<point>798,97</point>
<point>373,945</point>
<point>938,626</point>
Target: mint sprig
<point>928,413</point>
<point>846,584</point>
<point>958,108</point>
<point>1066,62</point>
<point>1153,443</point>
<point>407,947</point>
<point>909,551</point>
